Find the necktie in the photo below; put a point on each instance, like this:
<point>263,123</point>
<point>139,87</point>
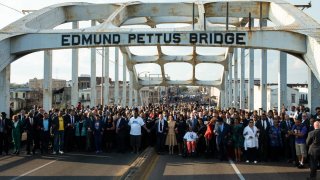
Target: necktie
<point>72,120</point>
<point>160,126</point>
<point>31,121</point>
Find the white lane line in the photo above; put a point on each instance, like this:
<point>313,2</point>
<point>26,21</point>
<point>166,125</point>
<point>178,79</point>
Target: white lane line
<point>33,170</point>
<point>88,155</point>
<point>236,170</point>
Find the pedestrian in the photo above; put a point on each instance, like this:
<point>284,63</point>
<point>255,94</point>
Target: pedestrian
<point>59,125</point>
<point>161,128</point>
<point>313,141</point>
<point>171,140</point>
<point>30,126</point>
<point>251,142</point>
<point>300,131</point>
<point>97,133</point>
<point>264,126</point>
<point>275,140</point>
<point>45,125</point>
<point>81,133</point>
<point>5,130</point>
<point>16,133</point>
<point>180,130</point>
<point>136,122</point>
<point>121,131</point>
<point>190,139</point>
<point>237,138</point>
<point>109,132</point>
<point>222,131</point>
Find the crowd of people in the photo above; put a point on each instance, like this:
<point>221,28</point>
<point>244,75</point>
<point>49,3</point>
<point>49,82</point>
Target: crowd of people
<point>183,129</point>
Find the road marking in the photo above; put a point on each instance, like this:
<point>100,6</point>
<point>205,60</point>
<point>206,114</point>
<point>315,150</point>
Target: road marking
<point>236,170</point>
<point>88,155</point>
<point>33,170</point>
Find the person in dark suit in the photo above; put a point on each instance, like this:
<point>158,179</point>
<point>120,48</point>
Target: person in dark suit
<point>71,119</point>
<point>45,125</point>
<point>263,126</point>
<point>161,129</point>
<point>313,141</point>
<point>288,140</point>
<point>222,131</point>
<point>98,129</point>
<point>121,132</point>
<point>5,132</point>
<point>36,129</point>
<point>22,117</point>
<point>29,128</point>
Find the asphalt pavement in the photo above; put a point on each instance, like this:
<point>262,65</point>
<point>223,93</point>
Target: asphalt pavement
<point>69,165</point>
<point>115,166</point>
<point>175,167</point>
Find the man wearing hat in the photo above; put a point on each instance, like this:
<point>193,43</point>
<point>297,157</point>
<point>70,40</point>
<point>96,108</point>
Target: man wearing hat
<point>5,129</point>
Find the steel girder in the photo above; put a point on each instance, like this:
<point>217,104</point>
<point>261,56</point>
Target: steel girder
<point>295,32</point>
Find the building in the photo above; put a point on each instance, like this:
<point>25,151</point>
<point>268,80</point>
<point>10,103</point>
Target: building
<point>84,81</point>
<point>61,98</point>
<point>38,84</point>
<point>85,95</point>
<point>150,95</point>
<point>25,98</point>
<point>297,94</point>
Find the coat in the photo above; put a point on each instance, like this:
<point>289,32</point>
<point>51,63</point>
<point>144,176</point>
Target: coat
<point>83,130</point>
<point>55,123</point>
<point>223,136</point>
<point>313,141</point>
<point>165,127</point>
<point>16,131</point>
<point>251,137</point>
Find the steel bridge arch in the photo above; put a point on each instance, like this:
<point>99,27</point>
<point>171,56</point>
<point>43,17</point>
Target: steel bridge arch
<point>35,32</point>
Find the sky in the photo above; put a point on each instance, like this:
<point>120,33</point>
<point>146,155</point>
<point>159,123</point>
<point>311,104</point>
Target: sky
<point>31,66</point>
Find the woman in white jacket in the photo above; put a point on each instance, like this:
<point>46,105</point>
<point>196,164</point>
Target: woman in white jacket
<point>251,144</point>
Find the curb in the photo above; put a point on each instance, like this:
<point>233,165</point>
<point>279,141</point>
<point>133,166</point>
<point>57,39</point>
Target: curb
<point>140,165</point>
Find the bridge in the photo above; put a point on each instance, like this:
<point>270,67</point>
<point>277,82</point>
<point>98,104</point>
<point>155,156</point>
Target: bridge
<point>229,24</point>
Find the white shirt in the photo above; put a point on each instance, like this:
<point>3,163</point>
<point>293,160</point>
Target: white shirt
<point>161,123</point>
<point>190,136</point>
<point>270,121</point>
<point>135,124</point>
